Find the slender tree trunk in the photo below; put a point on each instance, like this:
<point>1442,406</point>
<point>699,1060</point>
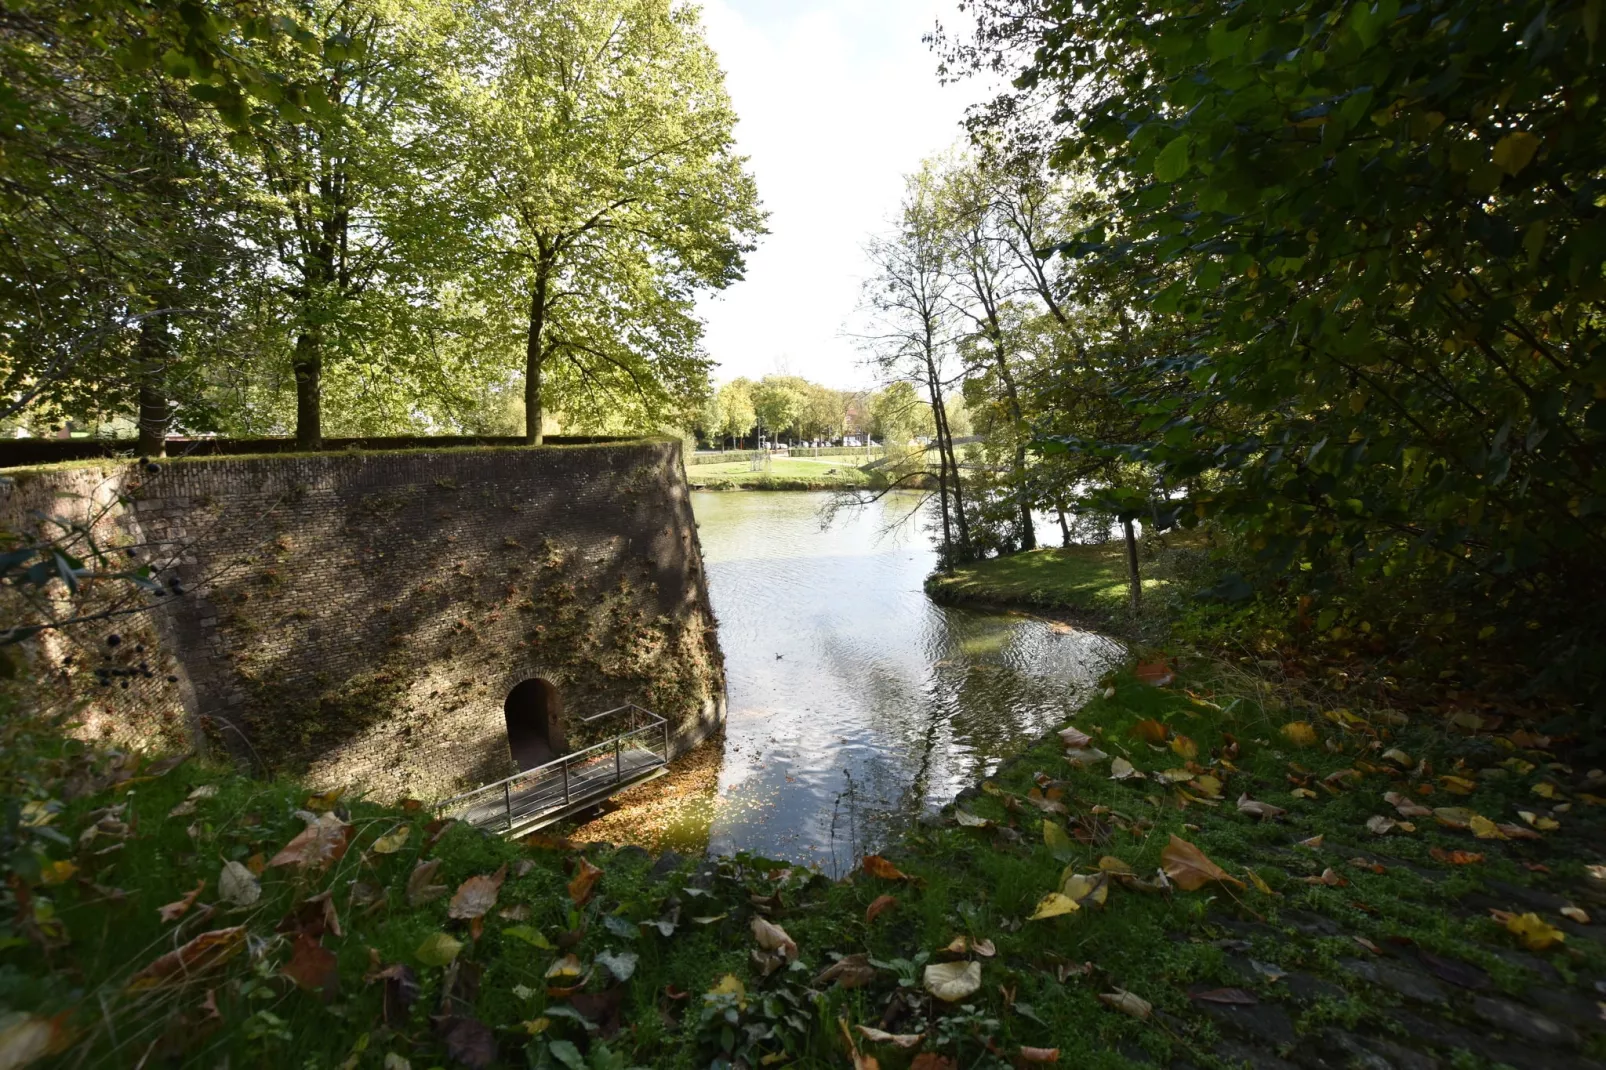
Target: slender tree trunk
<point>1028,531</point>
<point>946,463</point>
<point>1065,529</point>
<point>535,355</point>
<point>308,367</point>
<point>1132,577</point>
<point>155,346</point>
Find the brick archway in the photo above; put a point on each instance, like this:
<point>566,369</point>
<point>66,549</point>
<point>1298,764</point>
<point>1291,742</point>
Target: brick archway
<point>534,713</point>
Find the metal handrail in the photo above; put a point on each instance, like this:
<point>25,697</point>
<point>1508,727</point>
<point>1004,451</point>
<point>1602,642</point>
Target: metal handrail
<point>534,775</point>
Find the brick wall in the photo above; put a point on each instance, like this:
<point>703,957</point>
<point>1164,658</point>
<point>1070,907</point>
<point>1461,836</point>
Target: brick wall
<point>360,618</point>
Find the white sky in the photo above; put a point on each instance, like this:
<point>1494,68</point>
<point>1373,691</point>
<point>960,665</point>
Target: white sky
<point>838,100</point>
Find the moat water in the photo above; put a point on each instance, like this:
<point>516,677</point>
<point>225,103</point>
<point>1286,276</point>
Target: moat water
<point>856,703</point>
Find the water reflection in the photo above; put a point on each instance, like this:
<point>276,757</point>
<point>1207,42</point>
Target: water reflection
<point>855,703</point>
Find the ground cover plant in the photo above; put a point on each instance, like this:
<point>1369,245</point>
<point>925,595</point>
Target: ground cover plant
<point>826,473</point>
<point>1207,865</point>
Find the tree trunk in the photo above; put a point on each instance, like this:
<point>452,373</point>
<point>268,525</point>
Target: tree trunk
<point>535,356</point>
<point>155,346</point>
<point>1065,529</point>
<point>1132,577</point>
<point>308,366</point>
<point>1028,532</point>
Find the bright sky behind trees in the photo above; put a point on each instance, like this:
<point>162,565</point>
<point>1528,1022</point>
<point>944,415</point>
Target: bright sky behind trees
<point>838,100</point>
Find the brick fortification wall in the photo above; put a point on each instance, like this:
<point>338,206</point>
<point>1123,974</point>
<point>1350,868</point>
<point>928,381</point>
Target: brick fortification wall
<point>360,618</point>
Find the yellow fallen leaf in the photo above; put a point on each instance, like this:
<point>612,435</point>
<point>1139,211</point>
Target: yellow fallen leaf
<point>1053,905</point>
<point>1185,748</point>
<point>392,841</point>
<point>1085,889</point>
<point>1055,837</point>
<point>1535,933</point>
<point>729,985</point>
<point>1116,867</point>
<point>1455,817</point>
<point>1543,824</point>
<point>1208,786</point>
<point>1398,757</point>
<point>1299,733</point>
<point>1458,785</point>
<point>1545,789</point>
<point>1303,793</point>
<point>59,871</point>
<point>1127,1003</point>
<point>1484,829</point>
<point>1260,885</point>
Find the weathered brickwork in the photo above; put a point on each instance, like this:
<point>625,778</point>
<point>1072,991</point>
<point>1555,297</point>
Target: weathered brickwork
<point>359,618</point>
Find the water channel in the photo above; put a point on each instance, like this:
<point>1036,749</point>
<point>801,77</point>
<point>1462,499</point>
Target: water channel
<point>855,702</point>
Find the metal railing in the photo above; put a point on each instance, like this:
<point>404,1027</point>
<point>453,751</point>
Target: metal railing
<point>593,773</point>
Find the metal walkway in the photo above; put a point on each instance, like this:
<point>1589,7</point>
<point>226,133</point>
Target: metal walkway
<point>637,751</point>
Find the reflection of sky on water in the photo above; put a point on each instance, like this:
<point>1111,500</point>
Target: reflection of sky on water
<point>854,701</point>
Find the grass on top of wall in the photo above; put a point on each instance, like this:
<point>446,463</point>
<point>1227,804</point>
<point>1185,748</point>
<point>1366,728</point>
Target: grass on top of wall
<point>1089,579</point>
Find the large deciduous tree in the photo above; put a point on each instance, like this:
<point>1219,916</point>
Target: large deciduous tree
<point>602,146</point>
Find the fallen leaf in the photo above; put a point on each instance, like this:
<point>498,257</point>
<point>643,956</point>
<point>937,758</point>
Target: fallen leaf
<point>566,968</point>
<point>1185,748</point>
<point>1262,810</point>
<point>1188,867</point>
<point>1313,843</point>
<point>1455,858</point>
<point>206,952</point>
<point>930,1060</point>
<point>876,866</point>
<point>1039,1055</point>
<point>849,971</point>
<point>1455,817</point>
<point>421,886</point>
<point>313,967</point>
<point>773,938</point>
<point>476,896</point>
<point>970,821</point>
<point>1405,806</point>
<point>1572,913</point>
<point>1303,793</point>
<point>1121,769</point>
<point>1543,824</point>
<point>953,981</point>
<point>877,905</point>
<point>1150,731</point>
<point>1378,825</point>
<point>622,964</point>
<point>1082,757</point>
<point>1398,757</point>
<point>392,841</point>
<point>1227,996</point>
<point>1073,737</point>
<point>178,908</point>
<point>1484,829</point>
<point>585,879</point>
<point>1299,733</point>
<point>323,841</point>
<point>1053,905</point>
<point>1055,838</point>
<point>1155,673</point>
<point>1115,867</point>
<point>238,886</point>
<point>1367,944</point>
<point>1535,933</point>
<point>1545,789</point>
<point>897,1040</point>
<point>1518,832</point>
<point>1259,883</point>
<point>1208,785</point>
<point>327,801</point>
<point>27,1038</point>
<point>1328,877</point>
<point>438,949</point>
<point>58,871</point>
<point>1127,1003</point>
<point>1085,889</point>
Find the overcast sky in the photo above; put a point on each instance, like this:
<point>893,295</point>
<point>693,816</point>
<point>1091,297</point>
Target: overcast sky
<point>838,100</point>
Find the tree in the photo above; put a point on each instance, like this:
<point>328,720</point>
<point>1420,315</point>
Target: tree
<point>778,404</point>
<point>908,299</point>
<point>602,143</point>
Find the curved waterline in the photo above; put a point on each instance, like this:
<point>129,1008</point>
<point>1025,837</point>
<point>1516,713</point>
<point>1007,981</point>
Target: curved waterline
<point>855,702</point>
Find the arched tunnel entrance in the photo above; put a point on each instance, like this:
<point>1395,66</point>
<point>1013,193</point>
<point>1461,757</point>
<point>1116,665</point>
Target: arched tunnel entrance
<point>534,724</point>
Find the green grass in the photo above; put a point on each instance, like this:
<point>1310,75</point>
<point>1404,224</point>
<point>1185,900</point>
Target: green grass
<point>1089,579</point>
<point>978,882</point>
<point>784,474</point>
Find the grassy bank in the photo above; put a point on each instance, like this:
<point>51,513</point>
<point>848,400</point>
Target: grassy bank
<point>1053,909</point>
<point>789,474</point>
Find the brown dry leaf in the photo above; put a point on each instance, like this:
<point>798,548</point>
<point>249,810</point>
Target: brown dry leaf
<point>879,904</point>
<point>897,1040</point>
<point>850,971</point>
<point>323,841</point>
<point>1378,825</point>
<point>1155,673</point>
<point>1150,731</point>
<point>1039,1055</point>
<point>1328,877</point>
<point>1227,996</point>
<point>1188,867</point>
<point>313,967</point>
<point>1405,805</point>
<point>876,866</point>
<point>1121,769</point>
<point>1313,843</point>
<point>1127,1003</point>
<point>27,1038</point>
<point>421,886</point>
<point>585,879</point>
<point>1455,858</point>
<point>476,896</point>
<point>1074,737</point>
<point>206,952</point>
<point>930,1060</point>
<point>1262,810</point>
<point>968,820</point>
<point>860,1060</point>
<point>1573,913</point>
<point>773,938</point>
<point>1518,832</point>
<point>178,908</point>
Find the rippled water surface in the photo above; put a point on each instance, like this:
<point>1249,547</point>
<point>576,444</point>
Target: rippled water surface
<point>855,702</point>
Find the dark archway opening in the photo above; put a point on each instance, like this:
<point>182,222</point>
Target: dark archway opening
<point>534,729</point>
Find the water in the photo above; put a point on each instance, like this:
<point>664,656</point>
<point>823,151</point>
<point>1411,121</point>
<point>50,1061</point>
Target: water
<point>855,702</point>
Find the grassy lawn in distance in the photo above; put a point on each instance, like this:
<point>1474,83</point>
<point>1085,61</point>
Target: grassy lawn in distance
<point>786,474</point>
<point>1085,578</point>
